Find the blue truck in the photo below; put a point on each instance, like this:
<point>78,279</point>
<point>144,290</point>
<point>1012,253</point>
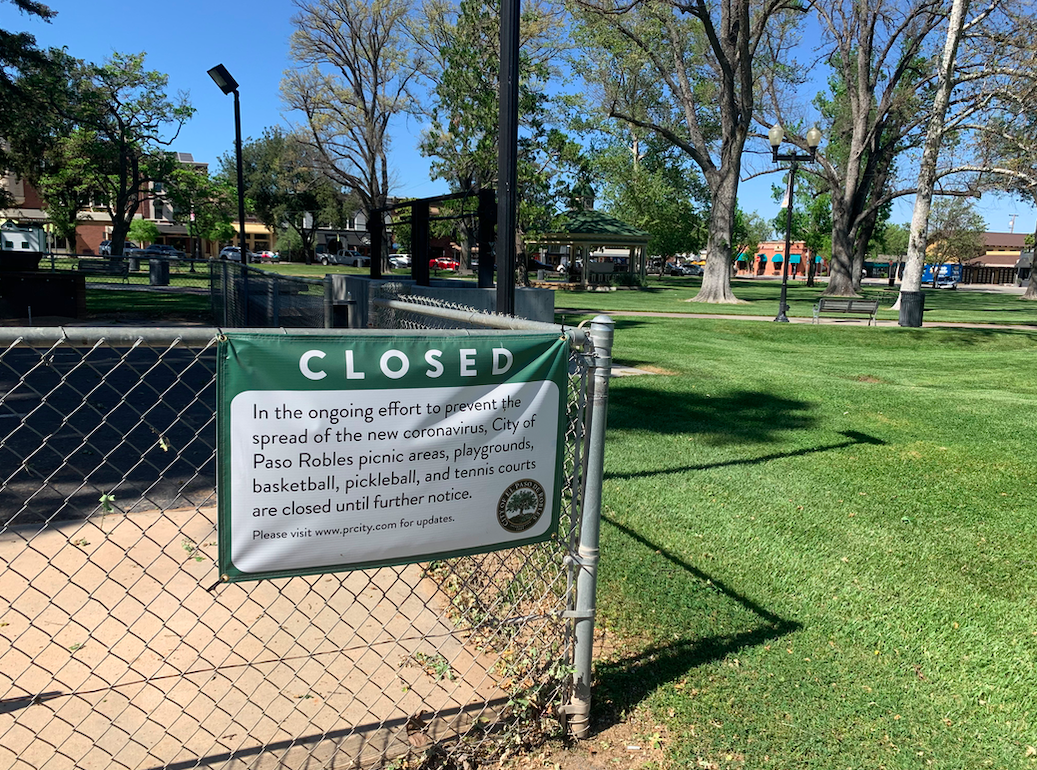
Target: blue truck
<point>945,276</point>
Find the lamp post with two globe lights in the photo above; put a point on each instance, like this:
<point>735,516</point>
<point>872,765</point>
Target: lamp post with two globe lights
<point>776,135</point>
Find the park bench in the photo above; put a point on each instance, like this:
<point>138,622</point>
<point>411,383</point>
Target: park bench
<point>117,267</point>
<point>841,306</point>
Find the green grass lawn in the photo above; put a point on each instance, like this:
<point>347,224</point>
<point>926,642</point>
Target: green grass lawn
<point>760,298</point>
<point>821,542</point>
<point>105,304</point>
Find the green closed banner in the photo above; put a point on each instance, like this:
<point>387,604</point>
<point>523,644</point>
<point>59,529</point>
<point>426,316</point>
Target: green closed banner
<point>344,452</point>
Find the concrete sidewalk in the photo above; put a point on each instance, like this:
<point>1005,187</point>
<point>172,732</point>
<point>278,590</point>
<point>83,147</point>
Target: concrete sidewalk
<point>126,649</point>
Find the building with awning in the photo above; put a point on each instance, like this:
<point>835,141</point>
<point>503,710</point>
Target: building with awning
<point>770,257</point>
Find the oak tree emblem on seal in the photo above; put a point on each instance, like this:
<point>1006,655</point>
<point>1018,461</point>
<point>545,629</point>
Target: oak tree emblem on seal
<point>521,505</point>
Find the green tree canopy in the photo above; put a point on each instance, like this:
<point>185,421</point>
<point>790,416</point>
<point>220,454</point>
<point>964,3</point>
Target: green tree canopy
<point>287,188</point>
<point>131,121</point>
<point>143,231</point>
<point>955,231</point>
<point>206,206</point>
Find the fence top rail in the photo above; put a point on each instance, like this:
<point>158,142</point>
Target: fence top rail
<point>487,320</point>
<point>203,336</point>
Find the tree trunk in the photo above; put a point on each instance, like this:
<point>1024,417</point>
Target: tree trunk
<point>1031,284</point>
<point>840,274</point>
<point>919,239</point>
<point>716,280</point>
<point>467,234</point>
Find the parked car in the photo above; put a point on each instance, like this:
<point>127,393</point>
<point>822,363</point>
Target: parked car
<point>946,282</point>
<point>233,253</point>
<point>685,270</point>
<point>162,250</point>
<point>399,261</point>
<point>347,257</point>
<point>443,263</point>
<point>265,256</point>
<point>105,248</point>
<point>536,264</point>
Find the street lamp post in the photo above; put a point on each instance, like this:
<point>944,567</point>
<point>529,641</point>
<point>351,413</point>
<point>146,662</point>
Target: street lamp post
<point>229,85</point>
<point>776,135</point>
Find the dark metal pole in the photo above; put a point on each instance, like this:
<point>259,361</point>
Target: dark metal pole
<point>375,230</point>
<point>487,217</point>
<point>419,236</point>
<point>782,305</point>
<point>241,177</point>
<point>507,156</point>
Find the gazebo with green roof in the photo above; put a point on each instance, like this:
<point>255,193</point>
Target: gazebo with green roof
<point>585,232</point>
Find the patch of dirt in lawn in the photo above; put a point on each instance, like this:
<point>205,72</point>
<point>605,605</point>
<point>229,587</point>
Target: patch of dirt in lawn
<point>636,741</point>
<point>618,740</point>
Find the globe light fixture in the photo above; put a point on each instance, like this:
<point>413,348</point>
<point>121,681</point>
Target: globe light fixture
<point>776,135</point>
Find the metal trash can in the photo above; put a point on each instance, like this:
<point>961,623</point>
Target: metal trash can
<point>158,272</point>
<point>912,305</point>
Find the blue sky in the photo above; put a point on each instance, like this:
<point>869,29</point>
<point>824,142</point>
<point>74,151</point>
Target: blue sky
<point>184,40</point>
<point>250,37</point>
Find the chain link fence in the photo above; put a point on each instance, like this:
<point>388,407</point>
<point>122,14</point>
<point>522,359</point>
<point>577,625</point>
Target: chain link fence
<point>241,296</point>
<point>247,297</point>
<point>121,647</point>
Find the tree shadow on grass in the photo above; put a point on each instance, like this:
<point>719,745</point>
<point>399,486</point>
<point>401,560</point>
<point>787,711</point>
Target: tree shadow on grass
<point>735,417</point>
<point>622,684</point>
<point>853,438</point>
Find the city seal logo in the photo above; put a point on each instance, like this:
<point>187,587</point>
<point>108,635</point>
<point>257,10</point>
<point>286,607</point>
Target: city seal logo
<point>521,505</point>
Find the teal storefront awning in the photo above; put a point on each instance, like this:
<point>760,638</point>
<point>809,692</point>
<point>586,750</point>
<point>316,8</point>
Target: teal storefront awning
<point>817,258</point>
<point>778,258</point>
<point>741,257</point>
<point>762,257</point>
<point>793,259</point>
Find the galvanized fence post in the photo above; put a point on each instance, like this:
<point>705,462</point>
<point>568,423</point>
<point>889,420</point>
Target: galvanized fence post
<point>329,303</point>
<point>602,329</point>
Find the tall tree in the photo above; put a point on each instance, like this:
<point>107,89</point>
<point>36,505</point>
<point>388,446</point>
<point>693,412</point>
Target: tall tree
<point>1005,140</point>
<point>48,149</point>
<point>649,185</point>
<point>879,55</point>
<point>918,242</point>
<point>462,63</point>
<point>687,70</point>
<point>355,72</point>
<point>35,122</point>
<point>205,205</point>
<point>127,122</point>
<point>18,55</point>
<point>287,189</point>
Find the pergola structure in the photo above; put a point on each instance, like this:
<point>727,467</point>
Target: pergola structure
<point>586,233</point>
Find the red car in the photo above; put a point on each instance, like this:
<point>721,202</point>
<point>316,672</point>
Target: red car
<point>443,263</point>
